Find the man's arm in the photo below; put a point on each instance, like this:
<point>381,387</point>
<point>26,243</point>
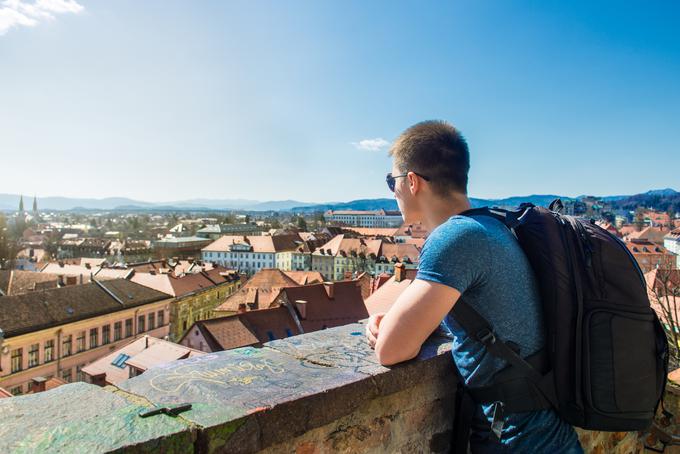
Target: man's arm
<point>412,318</point>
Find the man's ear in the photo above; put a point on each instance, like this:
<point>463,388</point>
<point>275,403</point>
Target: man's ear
<point>413,183</point>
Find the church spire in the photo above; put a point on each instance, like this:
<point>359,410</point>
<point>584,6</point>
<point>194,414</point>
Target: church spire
<point>35,204</point>
<point>21,204</point>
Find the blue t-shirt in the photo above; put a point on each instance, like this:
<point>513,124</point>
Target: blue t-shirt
<point>479,257</point>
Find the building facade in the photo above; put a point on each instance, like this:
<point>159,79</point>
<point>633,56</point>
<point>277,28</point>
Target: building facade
<point>357,218</point>
<point>250,254</point>
<point>57,332</point>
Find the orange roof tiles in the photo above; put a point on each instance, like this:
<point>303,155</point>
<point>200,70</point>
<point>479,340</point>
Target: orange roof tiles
<point>266,244</point>
<point>247,328</point>
<point>183,285</point>
<point>154,351</point>
<point>372,231</point>
<point>345,306</point>
<point>305,277</point>
<point>259,291</point>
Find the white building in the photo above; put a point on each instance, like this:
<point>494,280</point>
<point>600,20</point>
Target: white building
<point>672,242</point>
<point>376,218</point>
<point>341,256</point>
<point>250,254</point>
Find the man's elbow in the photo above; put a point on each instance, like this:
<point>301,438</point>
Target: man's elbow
<point>389,357</point>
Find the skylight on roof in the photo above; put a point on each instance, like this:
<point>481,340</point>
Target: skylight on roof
<point>120,360</point>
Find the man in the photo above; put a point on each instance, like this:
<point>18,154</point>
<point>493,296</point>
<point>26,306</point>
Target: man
<point>475,256</point>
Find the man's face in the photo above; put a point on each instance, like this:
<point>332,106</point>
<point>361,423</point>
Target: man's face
<point>405,199</point>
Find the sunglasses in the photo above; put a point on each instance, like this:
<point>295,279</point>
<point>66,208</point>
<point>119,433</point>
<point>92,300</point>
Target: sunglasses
<point>391,180</point>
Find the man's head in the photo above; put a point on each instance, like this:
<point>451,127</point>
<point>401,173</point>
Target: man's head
<point>434,160</point>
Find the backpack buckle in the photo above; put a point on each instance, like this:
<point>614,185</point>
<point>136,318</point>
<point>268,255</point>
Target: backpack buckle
<point>486,336</point>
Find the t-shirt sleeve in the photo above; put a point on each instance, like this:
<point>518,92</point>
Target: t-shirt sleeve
<point>455,255</point>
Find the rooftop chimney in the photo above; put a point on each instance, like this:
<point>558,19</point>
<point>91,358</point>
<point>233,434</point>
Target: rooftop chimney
<point>301,306</point>
<point>38,384</point>
<point>399,272</point>
<point>330,289</point>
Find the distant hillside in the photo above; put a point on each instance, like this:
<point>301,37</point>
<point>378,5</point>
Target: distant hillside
<point>663,200</point>
<point>391,204</point>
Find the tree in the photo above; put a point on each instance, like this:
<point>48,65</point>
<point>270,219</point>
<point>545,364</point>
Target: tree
<point>639,220</point>
<point>665,291</point>
<point>301,223</point>
<point>4,249</point>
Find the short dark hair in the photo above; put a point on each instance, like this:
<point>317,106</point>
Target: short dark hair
<point>436,149</point>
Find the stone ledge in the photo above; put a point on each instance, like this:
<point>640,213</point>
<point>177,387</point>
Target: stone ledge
<point>85,418</point>
<point>243,400</point>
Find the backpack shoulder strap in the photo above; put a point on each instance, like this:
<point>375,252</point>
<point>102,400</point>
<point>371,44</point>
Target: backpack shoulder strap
<point>509,218</point>
<point>479,329</point>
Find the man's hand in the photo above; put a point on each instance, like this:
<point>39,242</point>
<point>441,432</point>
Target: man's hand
<point>372,328</point>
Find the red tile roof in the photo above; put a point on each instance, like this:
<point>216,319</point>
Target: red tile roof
<point>21,282</point>
<point>143,353</point>
<point>653,234</point>
<point>187,283</point>
<point>305,277</point>
<point>259,292</point>
<point>345,306</point>
<point>51,383</point>
<point>372,231</point>
<point>247,328</point>
<point>266,244</point>
<point>34,311</point>
<point>4,393</point>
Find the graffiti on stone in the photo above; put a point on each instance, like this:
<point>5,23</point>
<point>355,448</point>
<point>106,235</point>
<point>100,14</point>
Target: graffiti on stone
<point>344,351</point>
<point>237,373</point>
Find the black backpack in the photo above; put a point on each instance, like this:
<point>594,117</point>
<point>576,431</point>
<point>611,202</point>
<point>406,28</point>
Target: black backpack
<point>605,360</point>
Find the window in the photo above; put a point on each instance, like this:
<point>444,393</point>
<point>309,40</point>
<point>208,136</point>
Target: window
<point>94,337</point>
<point>79,373</point>
<point>288,332</point>
<point>17,391</point>
<point>117,331</point>
<point>120,360</point>
<point>66,375</point>
<point>66,345</point>
<point>80,342</point>
<point>152,321</point>
<point>17,360</point>
<point>128,327</point>
<point>140,324</point>
<point>33,355</point>
<point>161,318</point>
<point>270,335</point>
<point>106,334</point>
<point>49,350</point>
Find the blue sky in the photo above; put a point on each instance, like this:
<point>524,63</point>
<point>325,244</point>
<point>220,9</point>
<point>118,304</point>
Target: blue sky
<point>163,100</point>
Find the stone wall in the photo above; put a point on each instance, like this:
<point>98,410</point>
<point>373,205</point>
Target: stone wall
<point>322,392</point>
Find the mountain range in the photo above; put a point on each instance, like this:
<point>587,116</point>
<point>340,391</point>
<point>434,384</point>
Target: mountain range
<point>657,198</point>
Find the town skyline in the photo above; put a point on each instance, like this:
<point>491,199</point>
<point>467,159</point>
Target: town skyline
<point>9,202</point>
